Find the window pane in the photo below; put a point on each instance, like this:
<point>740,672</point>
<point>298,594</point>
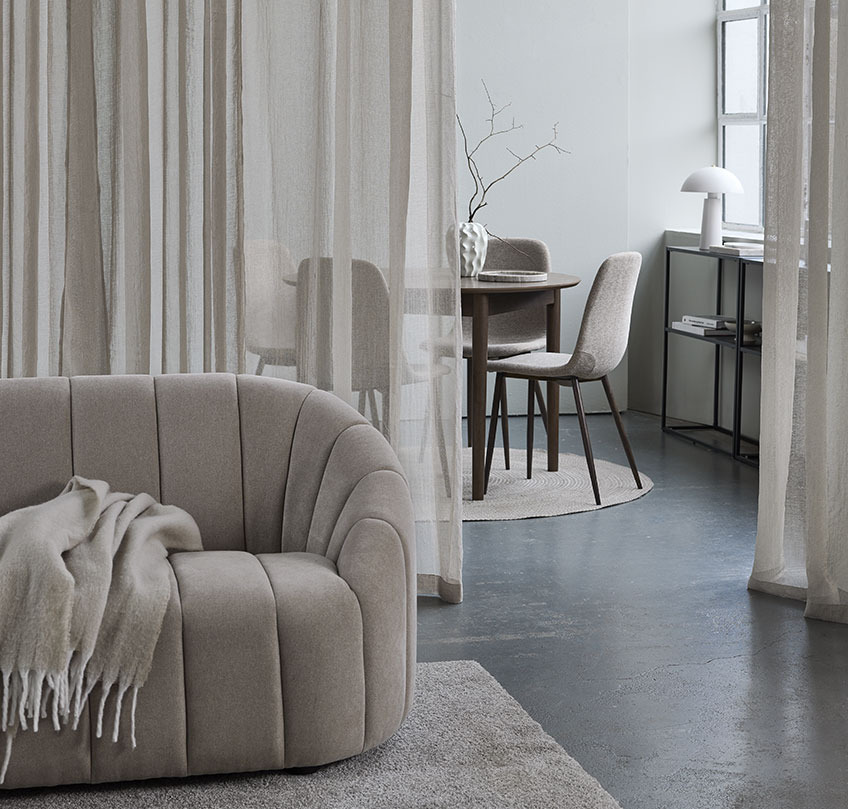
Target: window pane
<point>742,157</point>
<point>730,5</point>
<point>740,66</point>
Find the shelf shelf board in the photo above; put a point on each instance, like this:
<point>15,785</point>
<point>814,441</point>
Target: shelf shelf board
<point>696,251</point>
<point>724,340</point>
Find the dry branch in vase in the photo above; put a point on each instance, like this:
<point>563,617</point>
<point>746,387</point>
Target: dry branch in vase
<point>481,187</point>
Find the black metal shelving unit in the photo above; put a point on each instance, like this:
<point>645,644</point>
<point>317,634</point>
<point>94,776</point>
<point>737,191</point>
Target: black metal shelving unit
<point>717,437</point>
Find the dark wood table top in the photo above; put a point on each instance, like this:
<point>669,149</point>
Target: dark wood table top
<point>555,280</point>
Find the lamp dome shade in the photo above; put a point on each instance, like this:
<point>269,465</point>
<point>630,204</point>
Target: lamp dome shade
<point>712,180</point>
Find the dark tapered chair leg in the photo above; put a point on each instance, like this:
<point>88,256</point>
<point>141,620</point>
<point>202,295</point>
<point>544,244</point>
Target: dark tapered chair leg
<point>505,425</point>
<point>425,435</point>
<point>543,411</point>
<point>469,379</point>
<point>260,366</point>
<point>385,396</point>
<point>439,434</point>
<point>587,445</point>
<point>531,417</point>
<point>493,428</point>
<point>625,443</point>
<point>372,405</point>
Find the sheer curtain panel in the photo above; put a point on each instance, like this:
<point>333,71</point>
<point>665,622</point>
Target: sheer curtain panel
<point>801,549</point>
<point>242,185</point>
<point>348,111</point>
<point>121,201</point>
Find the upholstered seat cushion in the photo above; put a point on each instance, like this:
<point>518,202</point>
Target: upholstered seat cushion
<point>502,342</point>
<point>259,666</point>
<point>543,364</point>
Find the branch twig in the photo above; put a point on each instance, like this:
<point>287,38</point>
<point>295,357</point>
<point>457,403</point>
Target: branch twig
<point>481,188</point>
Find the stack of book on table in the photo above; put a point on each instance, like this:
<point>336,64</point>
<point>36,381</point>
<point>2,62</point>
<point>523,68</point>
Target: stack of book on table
<point>718,326</point>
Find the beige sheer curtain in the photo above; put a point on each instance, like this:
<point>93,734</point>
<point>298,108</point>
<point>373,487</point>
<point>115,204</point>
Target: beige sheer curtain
<point>221,185</point>
<point>802,537</point>
<point>349,174</point>
<point>121,196</point>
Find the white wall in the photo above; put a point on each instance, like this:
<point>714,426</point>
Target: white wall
<point>632,85</point>
<point>556,61</point>
<point>672,133</point>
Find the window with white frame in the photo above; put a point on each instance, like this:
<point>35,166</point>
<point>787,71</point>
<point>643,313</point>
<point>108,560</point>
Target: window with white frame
<point>742,72</point>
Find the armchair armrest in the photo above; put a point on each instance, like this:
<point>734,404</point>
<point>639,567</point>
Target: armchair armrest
<point>347,499</point>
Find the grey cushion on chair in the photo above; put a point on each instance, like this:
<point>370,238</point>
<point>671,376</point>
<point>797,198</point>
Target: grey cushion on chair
<point>290,641</point>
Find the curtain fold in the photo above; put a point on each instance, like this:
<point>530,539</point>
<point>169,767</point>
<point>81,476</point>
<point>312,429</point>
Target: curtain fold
<point>230,185</point>
<point>801,549</point>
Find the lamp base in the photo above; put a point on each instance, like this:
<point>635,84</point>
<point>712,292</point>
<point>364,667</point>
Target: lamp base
<point>711,222</point>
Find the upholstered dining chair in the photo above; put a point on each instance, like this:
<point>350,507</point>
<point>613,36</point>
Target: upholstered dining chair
<point>510,333</point>
<point>269,301</point>
<point>600,347</point>
<point>370,345</point>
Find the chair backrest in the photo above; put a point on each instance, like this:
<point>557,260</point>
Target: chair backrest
<point>606,319</point>
<point>517,254</point>
<point>268,300</point>
<point>370,345</point>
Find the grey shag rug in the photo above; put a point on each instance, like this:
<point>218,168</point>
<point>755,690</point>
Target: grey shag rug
<point>547,494</point>
<point>467,744</point>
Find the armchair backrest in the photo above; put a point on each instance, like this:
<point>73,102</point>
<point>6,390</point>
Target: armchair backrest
<point>262,464</point>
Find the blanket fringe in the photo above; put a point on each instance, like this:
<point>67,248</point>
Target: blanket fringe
<point>27,695</point>
<point>104,695</point>
<point>132,716</point>
<point>4,716</point>
<point>7,757</point>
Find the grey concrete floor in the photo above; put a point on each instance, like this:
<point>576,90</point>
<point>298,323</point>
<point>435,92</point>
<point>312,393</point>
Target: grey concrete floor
<point>629,634</point>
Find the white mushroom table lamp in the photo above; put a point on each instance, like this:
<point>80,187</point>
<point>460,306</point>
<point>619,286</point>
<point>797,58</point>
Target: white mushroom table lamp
<point>712,181</point>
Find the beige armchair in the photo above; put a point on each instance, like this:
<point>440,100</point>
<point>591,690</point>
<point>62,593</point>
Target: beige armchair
<point>290,640</point>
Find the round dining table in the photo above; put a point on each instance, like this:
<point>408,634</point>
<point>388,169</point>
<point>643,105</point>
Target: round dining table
<point>480,299</point>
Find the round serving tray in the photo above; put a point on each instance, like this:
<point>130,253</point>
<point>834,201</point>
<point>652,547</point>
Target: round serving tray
<point>512,276</point>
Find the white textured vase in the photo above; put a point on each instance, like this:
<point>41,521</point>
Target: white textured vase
<point>473,242</point>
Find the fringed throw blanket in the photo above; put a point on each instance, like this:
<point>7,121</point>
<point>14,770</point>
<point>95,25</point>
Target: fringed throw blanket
<point>84,586</point>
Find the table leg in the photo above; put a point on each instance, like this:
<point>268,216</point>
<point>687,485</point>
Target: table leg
<point>553,329</point>
<point>479,357</point>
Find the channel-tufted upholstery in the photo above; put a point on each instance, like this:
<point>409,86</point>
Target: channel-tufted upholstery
<point>290,640</point>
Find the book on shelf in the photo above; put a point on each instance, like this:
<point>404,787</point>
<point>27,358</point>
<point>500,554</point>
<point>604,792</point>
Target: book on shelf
<point>701,331</point>
<point>738,249</point>
<point>708,321</point>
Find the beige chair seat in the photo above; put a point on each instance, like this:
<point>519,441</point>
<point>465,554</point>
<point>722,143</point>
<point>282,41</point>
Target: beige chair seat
<point>273,356</point>
<point>500,345</point>
<point>543,364</point>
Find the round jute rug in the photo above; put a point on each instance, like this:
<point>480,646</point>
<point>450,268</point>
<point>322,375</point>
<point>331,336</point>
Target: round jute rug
<point>548,494</point>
